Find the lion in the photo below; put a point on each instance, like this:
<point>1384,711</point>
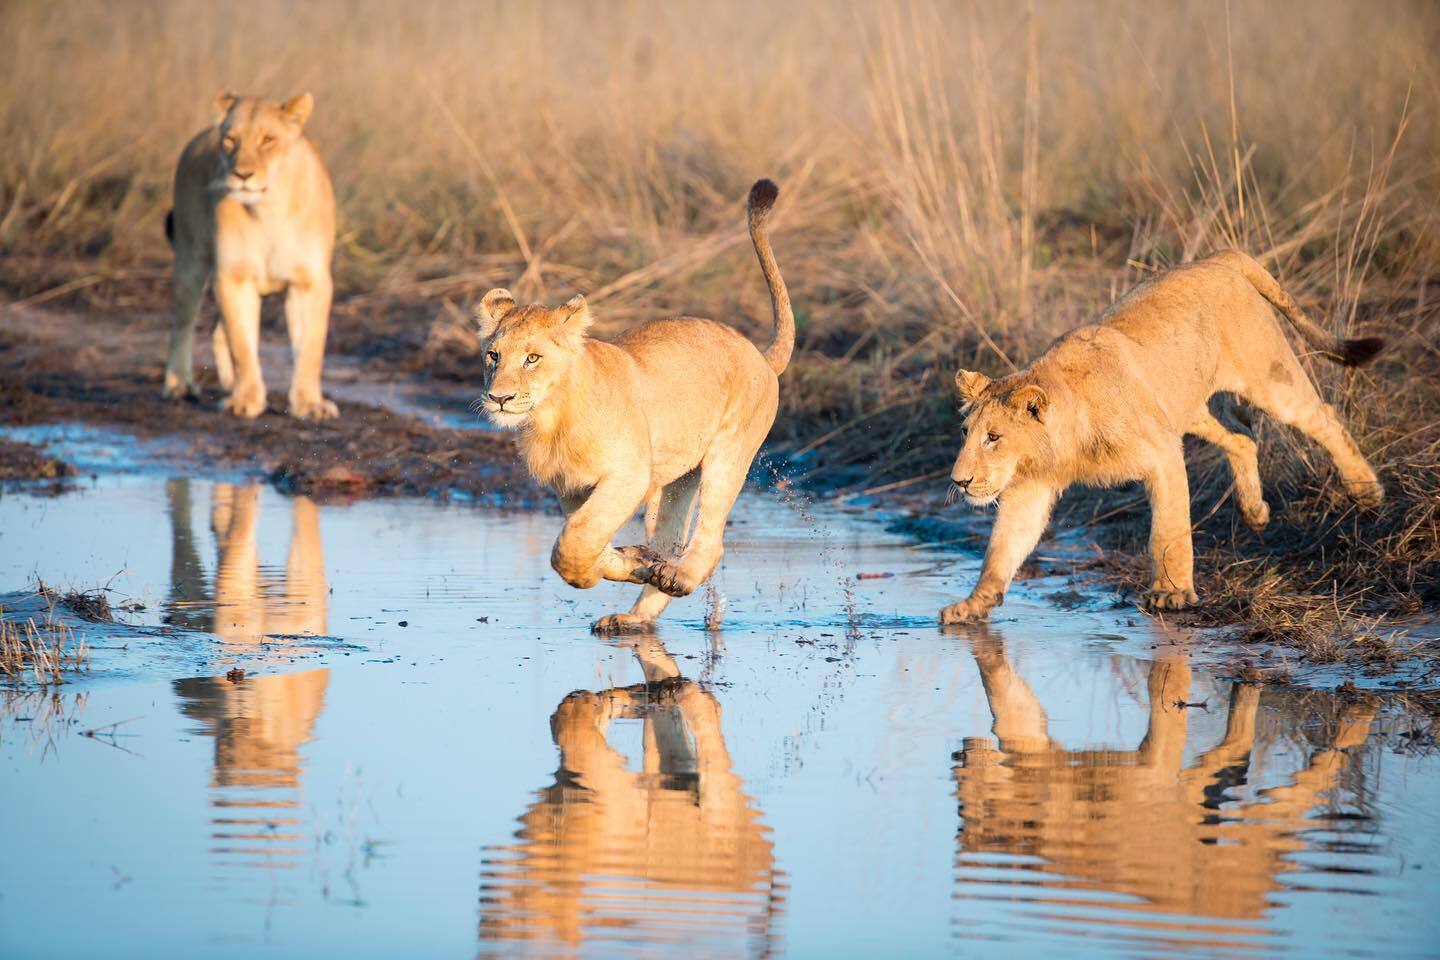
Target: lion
<point>254,210</point>
<point>673,410</point>
<point>1110,401</point>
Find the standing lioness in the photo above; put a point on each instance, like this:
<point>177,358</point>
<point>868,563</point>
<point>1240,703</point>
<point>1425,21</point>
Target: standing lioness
<point>254,210</point>
<point>671,408</point>
<point>1110,401</point>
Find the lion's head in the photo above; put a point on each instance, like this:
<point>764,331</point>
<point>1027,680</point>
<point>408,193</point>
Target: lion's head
<point>528,350</point>
<point>255,137</point>
<point>1005,434</point>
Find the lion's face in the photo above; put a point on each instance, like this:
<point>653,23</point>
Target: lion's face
<point>528,351</point>
<point>255,137</point>
<point>1004,435</point>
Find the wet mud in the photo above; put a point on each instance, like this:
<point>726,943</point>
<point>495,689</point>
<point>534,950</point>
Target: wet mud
<point>112,380</point>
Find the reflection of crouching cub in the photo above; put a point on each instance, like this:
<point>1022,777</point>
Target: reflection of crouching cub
<point>254,212</point>
<point>1110,401</point>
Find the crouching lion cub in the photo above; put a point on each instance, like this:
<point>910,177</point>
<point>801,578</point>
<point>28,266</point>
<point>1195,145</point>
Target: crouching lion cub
<point>1110,401</point>
<point>673,409</point>
<point>254,211</point>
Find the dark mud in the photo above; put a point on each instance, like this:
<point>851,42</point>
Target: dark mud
<point>114,381</point>
<point>26,461</point>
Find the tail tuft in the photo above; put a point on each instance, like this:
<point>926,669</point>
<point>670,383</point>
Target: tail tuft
<point>170,227</point>
<point>1361,351</point>
<point>762,197</point>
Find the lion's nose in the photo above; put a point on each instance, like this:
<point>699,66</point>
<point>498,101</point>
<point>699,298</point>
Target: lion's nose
<point>962,484</point>
<point>244,174</point>
<point>499,401</point>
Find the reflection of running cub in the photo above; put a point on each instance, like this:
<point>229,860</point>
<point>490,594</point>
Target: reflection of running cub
<point>255,212</point>
<point>1110,401</point>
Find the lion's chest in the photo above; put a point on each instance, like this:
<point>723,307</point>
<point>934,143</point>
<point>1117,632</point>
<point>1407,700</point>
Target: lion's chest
<point>556,461</point>
<point>269,251</point>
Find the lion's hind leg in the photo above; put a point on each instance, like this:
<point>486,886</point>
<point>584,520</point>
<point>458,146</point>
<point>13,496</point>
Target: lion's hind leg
<point>1240,451</point>
<point>190,280</point>
<point>667,522</point>
<point>722,475</point>
<point>1288,396</point>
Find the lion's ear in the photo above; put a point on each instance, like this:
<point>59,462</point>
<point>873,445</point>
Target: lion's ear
<point>1032,399</point>
<point>971,385</point>
<point>494,307</point>
<point>223,101</point>
<point>297,110</point>
<point>575,316</point>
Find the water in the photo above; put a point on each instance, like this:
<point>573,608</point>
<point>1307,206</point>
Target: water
<point>828,775</point>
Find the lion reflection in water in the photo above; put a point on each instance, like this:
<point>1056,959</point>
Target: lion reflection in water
<point>258,723</point>
<point>673,853</point>
<point>1142,822</point>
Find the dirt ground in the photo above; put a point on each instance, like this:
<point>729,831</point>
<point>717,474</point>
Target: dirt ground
<point>114,380</point>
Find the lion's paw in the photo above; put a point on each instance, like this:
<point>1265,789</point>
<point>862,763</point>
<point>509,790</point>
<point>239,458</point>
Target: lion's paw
<point>641,560</point>
<point>319,408</point>
<point>966,611</point>
<point>247,406</point>
<point>1256,519</point>
<point>672,579</point>
<point>1158,599</point>
<point>1368,495</point>
<point>617,624</point>
<point>177,389</point>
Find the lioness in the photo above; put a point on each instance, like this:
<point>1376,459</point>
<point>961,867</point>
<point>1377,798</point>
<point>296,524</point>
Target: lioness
<point>1109,402</point>
<point>253,209</point>
<point>671,408</point>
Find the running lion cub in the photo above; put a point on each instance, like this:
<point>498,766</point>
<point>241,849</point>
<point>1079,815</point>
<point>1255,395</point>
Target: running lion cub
<point>1110,401</point>
<point>676,407</point>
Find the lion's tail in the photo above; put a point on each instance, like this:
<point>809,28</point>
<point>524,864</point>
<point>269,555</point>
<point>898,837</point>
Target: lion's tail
<point>762,199</point>
<point>1351,353</point>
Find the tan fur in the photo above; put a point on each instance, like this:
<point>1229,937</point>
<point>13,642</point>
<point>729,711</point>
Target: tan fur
<point>671,411</point>
<point>1110,401</point>
<point>254,211</point>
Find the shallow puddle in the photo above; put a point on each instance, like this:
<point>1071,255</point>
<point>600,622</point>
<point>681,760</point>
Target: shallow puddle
<point>429,755</point>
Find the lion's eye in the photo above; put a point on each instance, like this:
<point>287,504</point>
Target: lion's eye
<point>268,141</point>
<point>533,359</point>
<point>229,143</point>
<point>493,357</point>
<point>992,436</point>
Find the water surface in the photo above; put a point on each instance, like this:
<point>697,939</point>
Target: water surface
<point>462,770</point>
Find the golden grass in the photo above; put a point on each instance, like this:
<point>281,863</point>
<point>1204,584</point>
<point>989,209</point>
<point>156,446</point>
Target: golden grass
<point>40,651</point>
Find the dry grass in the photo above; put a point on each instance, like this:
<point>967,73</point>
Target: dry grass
<point>39,650</point>
<point>961,183</point>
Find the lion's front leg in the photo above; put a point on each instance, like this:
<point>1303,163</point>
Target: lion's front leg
<point>239,300</point>
<point>1171,552</point>
<point>582,554</point>
<point>307,314</point>
<point>1024,511</point>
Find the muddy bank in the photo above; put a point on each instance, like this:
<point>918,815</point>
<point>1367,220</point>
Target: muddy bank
<point>26,461</point>
<point>113,381</point>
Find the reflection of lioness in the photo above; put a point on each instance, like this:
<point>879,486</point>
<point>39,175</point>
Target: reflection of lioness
<point>254,210</point>
<point>1109,402</point>
<point>676,406</point>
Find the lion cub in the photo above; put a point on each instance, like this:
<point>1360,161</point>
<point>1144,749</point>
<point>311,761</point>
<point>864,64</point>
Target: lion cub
<point>1110,401</point>
<point>673,409</point>
<point>255,212</point>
